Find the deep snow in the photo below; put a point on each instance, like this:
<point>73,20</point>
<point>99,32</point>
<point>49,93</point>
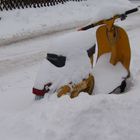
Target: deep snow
<point>32,22</point>
<point>96,117</point>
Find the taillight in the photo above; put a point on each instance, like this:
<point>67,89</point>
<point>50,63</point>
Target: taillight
<point>42,92</point>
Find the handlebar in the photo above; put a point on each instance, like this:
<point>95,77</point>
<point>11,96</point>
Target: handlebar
<point>131,11</point>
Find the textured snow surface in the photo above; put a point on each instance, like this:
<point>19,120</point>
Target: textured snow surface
<point>107,77</point>
<point>22,24</point>
<point>73,43</point>
<point>99,117</point>
<point>74,47</point>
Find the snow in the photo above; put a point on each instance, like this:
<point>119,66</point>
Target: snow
<point>107,77</point>
<point>96,117</point>
<point>74,47</point>
<point>60,76</point>
<point>72,43</point>
<point>32,22</point>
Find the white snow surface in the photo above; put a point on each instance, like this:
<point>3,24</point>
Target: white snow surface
<point>98,117</point>
<point>74,47</point>
<point>27,23</point>
<point>73,43</point>
<point>107,76</point>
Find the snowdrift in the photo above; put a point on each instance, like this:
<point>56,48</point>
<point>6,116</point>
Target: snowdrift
<point>28,23</point>
<point>99,117</point>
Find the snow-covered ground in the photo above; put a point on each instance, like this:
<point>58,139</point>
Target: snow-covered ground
<point>98,117</point>
<point>22,24</point>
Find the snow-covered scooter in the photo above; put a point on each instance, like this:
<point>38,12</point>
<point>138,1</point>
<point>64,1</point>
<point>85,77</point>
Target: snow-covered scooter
<point>112,41</point>
<point>113,46</point>
<point>68,67</point>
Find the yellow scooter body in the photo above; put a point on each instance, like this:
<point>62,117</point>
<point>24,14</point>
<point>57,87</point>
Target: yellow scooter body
<point>111,39</point>
<point>116,42</point>
<point>86,85</point>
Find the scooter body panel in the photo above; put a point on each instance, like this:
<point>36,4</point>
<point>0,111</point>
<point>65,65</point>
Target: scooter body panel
<point>116,42</point>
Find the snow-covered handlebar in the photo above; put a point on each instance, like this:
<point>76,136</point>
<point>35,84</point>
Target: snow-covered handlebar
<point>121,16</point>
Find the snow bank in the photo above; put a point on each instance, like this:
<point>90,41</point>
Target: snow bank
<point>98,117</point>
<point>22,24</point>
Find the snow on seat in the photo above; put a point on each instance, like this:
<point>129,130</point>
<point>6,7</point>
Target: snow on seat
<point>77,67</point>
<point>107,76</point>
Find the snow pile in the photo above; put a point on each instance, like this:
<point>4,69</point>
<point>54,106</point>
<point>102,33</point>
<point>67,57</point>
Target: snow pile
<point>73,43</point>
<point>74,47</point>
<point>32,22</point>
<point>107,76</point>
<point>99,117</point>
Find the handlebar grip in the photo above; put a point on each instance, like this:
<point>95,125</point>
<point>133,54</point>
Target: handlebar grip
<point>131,11</point>
<point>87,27</point>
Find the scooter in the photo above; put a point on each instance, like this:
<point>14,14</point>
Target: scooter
<point>68,68</point>
<point>113,40</point>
